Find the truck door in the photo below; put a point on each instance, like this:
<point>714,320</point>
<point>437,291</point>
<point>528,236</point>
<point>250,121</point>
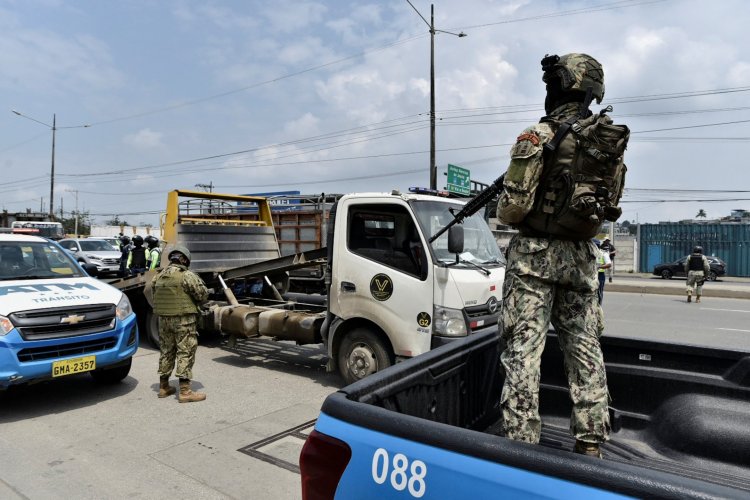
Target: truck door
<point>381,274</point>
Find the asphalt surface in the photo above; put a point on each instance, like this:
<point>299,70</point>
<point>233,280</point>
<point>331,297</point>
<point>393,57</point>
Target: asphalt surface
<point>724,287</point>
<point>74,439</point>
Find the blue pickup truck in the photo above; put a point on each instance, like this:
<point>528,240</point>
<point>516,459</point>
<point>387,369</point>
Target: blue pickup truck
<point>428,428</point>
<point>56,320</point>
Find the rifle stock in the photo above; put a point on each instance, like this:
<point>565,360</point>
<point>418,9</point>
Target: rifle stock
<point>473,206</point>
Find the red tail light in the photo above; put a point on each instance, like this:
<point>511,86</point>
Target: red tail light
<point>322,463</point>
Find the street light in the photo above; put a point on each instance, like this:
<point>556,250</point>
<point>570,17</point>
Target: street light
<point>54,128</point>
<point>431,25</point>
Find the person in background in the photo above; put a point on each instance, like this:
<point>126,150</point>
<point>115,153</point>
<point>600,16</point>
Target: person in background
<point>124,255</point>
<point>608,247</point>
<point>137,257</point>
<point>697,269</point>
<point>178,293</point>
<point>603,263</point>
<point>153,252</point>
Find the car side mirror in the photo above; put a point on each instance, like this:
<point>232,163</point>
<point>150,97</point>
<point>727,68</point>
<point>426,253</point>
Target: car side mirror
<point>90,269</point>
<point>456,239</point>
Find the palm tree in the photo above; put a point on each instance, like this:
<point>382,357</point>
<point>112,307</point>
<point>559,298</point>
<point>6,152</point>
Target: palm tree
<point>701,213</point>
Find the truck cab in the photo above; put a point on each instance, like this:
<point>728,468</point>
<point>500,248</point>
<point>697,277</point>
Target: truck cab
<point>393,294</point>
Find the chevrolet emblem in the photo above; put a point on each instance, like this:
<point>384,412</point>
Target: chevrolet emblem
<point>72,319</point>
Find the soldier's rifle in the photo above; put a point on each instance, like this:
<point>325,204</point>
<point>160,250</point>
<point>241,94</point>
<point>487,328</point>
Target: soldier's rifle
<point>473,205</point>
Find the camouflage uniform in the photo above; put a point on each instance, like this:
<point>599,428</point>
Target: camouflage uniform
<point>695,278</point>
<point>177,322</point>
<point>548,280</point>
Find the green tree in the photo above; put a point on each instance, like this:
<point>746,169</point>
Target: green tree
<point>115,221</point>
<point>701,213</point>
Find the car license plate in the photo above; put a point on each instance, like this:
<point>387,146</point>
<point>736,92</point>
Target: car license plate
<point>74,365</point>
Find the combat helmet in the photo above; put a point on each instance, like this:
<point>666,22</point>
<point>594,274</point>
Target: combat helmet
<point>151,240</point>
<point>174,254</point>
<point>577,72</point>
<point>698,249</point>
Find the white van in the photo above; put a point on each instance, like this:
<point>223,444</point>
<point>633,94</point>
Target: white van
<point>56,320</point>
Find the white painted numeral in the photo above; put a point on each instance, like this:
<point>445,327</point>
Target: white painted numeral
<point>403,475</point>
<point>380,472</point>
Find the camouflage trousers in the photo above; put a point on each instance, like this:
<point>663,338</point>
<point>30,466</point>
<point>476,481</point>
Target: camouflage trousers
<point>695,280</point>
<point>178,342</point>
<point>552,281</point>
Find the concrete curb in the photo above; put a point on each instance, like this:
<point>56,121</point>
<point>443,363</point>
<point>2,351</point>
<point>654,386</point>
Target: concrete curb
<point>708,290</point>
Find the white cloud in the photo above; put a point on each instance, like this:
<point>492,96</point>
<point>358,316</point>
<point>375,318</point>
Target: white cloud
<point>144,139</point>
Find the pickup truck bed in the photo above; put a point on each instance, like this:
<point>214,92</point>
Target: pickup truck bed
<point>680,416</point>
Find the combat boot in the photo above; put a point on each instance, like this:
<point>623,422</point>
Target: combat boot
<point>188,396</point>
<point>690,298</point>
<point>698,299</point>
<point>164,388</point>
<point>590,449</point>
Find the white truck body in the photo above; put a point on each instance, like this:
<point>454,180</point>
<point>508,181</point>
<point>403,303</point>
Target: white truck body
<point>376,285</point>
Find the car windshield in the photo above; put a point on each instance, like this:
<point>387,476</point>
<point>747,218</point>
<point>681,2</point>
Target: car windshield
<point>25,260</point>
<point>480,247</point>
<point>96,246</point>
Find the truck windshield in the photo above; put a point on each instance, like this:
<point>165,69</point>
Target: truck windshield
<point>34,260</point>
<point>480,246</point>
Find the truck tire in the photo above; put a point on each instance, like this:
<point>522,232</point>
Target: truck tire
<point>152,328</point>
<point>362,353</point>
<point>112,375</point>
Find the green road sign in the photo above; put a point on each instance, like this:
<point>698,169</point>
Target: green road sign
<point>459,180</point>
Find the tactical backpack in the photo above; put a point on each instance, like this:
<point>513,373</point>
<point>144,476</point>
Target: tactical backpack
<point>582,179</point>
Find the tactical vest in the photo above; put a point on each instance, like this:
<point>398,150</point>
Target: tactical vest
<point>696,263</point>
<point>582,179</point>
<point>170,299</point>
<point>139,258</point>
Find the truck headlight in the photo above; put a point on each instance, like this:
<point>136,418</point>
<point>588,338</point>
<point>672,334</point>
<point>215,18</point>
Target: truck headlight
<point>5,325</point>
<point>449,322</point>
<point>123,308</point>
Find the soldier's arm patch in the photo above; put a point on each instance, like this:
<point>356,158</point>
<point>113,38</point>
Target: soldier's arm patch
<point>527,144</point>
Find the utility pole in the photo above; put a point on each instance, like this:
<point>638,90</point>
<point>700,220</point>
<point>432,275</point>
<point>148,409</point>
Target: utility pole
<point>52,171</point>
<point>431,25</point>
<point>53,127</point>
<point>208,187</point>
<point>76,219</point>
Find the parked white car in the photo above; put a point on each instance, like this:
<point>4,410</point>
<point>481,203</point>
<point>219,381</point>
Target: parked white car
<point>94,251</point>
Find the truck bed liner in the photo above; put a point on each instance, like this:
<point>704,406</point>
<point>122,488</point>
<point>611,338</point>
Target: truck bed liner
<point>680,414</point>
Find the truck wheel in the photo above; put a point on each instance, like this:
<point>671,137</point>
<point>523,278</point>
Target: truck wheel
<point>712,276</point>
<point>152,328</point>
<point>361,354</point>
<point>112,375</point>
<point>666,274</point>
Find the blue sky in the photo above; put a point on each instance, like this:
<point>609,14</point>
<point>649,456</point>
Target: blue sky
<point>333,96</point>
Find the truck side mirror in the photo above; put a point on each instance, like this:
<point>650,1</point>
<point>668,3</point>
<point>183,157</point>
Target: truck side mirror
<point>456,239</point>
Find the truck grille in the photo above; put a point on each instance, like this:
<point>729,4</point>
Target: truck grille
<point>111,262</point>
<point>59,351</point>
<point>478,317</point>
<point>64,322</point>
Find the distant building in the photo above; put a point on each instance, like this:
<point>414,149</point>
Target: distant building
<point>8,218</point>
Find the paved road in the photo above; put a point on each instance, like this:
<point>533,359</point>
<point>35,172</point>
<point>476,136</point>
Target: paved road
<point>715,322</point>
<point>72,439</point>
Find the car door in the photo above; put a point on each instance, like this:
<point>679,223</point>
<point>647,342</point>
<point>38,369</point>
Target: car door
<point>678,268</point>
